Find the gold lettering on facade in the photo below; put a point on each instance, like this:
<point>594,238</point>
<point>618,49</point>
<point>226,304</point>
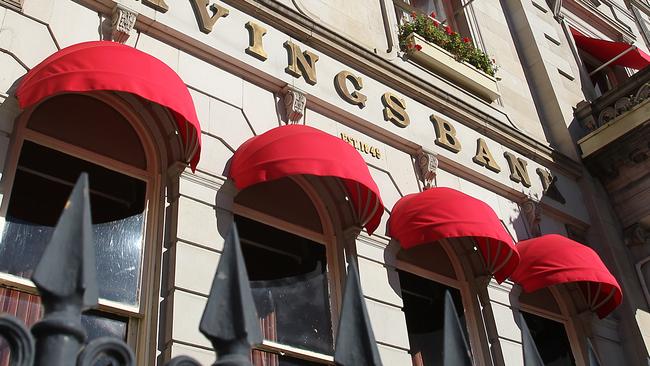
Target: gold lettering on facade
<point>395,110</point>
<point>446,134</point>
<point>484,157</point>
<point>158,5</point>
<point>546,177</point>
<point>301,63</point>
<point>362,146</point>
<point>355,97</point>
<point>518,171</point>
<point>204,18</point>
<point>255,46</point>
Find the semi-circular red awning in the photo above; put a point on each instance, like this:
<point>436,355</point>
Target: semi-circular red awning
<point>103,65</point>
<point>299,149</point>
<point>439,213</point>
<point>554,259</point>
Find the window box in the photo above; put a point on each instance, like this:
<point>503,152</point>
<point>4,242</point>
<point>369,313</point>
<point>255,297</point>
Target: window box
<point>444,63</point>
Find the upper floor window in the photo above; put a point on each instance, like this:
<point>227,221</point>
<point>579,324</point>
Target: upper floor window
<point>447,12</point>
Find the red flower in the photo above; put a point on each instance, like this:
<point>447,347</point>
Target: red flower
<point>466,40</point>
<point>433,15</point>
<point>448,30</point>
<point>436,23</point>
<point>418,47</point>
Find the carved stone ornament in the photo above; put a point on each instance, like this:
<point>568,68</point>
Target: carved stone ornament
<point>295,101</point>
<point>123,23</point>
<point>623,105</point>
<point>532,213</point>
<point>637,234</point>
<point>427,165</point>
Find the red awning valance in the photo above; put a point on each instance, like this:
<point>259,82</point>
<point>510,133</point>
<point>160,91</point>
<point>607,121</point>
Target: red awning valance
<point>103,65</point>
<point>297,150</point>
<point>607,50</point>
<point>554,259</point>
<point>440,213</point>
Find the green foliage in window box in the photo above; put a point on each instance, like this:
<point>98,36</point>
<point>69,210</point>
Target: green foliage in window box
<point>432,31</point>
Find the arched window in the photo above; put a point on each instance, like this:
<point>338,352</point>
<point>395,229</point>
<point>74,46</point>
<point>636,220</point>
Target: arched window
<point>429,274</point>
<point>53,144</point>
<point>294,263</point>
<point>549,326</point>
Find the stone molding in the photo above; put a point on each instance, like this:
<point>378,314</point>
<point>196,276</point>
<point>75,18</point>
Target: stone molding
<point>532,213</point>
<point>636,234</point>
<point>295,102</point>
<point>427,163</point>
<point>123,23</point>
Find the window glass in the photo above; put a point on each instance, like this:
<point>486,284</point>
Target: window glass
<point>448,12</point>
<point>424,308</point>
<point>288,277</point>
<point>550,339</point>
<point>44,179</point>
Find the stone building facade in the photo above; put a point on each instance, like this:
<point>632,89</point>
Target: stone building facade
<point>522,142</point>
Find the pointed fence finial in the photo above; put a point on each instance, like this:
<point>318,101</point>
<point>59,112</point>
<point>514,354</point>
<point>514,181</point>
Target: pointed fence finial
<point>67,281</point>
<point>531,354</point>
<point>355,342</point>
<point>230,319</point>
<point>455,349</point>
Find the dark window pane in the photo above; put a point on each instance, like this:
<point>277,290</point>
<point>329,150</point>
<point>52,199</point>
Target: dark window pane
<point>424,308</point>
<point>103,325</point>
<point>43,182</point>
<point>290,288</point>
<point>551,340</point>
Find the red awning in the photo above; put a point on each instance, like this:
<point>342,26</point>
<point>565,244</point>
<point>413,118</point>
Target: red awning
<point>554,259</point>
<point>439,213</point>
<point>607,50</point>
<point>298,149</point>
<point>103,65</point>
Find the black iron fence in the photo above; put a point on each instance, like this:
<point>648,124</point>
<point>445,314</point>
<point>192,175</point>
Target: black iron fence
<point>66,280</point>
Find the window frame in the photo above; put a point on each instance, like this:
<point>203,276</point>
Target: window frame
<point>577,340</point>
<point>470,17</point>
<point>142,319</point>
<point>475,321</point>
<point>335,263</point>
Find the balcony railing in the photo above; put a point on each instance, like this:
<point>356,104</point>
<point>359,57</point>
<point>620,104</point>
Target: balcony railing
<point>615,113</point>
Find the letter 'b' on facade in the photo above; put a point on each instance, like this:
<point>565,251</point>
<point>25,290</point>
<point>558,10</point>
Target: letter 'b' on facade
<point>301,63</point>
<point>395,110</point>
<point>446,134</point>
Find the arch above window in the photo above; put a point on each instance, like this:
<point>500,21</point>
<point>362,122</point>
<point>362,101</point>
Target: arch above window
<point>302,150</point>
<point>102,65</point>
